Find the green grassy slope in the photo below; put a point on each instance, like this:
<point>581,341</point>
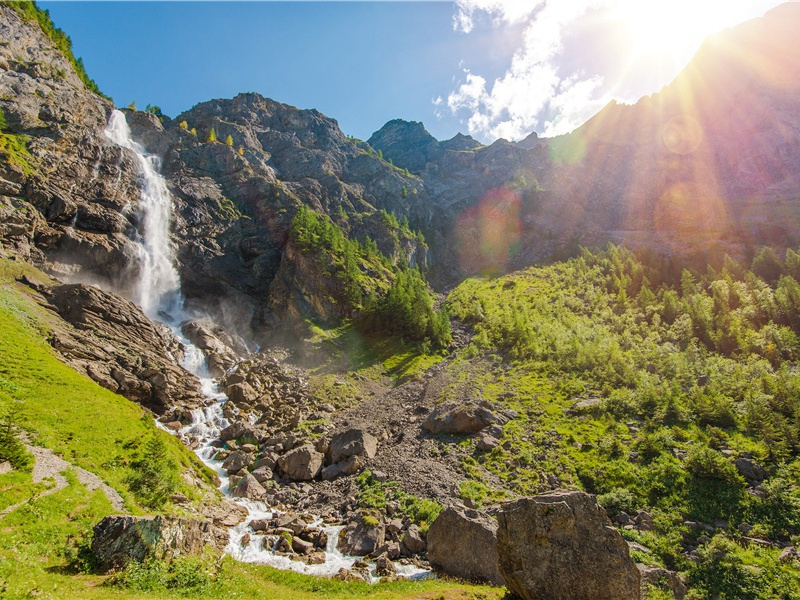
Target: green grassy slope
<point>678,383</point>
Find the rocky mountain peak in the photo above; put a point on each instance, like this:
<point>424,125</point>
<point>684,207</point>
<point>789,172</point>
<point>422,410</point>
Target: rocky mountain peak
<point>407,143</point>
<point>460,142</point>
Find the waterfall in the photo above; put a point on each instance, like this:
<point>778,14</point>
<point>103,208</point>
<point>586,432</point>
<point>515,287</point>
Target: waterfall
<point>157,287</point>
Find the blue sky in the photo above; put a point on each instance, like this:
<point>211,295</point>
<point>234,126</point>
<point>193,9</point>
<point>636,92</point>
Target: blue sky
<point>487,67</point>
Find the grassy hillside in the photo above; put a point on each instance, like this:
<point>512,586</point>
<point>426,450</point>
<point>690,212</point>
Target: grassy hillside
<point>646,395</point>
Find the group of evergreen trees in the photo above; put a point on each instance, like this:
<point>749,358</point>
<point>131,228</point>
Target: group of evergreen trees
<point>404,310</point>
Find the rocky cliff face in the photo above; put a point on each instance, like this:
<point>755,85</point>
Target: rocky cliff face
<point>79,185</point>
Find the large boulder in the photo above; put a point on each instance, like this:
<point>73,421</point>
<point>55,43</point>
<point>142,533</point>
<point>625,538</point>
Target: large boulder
<point>363,535</point>
<point>351,466</point>
<point>237,460</point>
<point>248,487</point>
<point>301,464</point>
<point>461,418</point>
<point>120,539</point>
<point>463,543</point>
<point>353,442</point>
<point>562,545</point>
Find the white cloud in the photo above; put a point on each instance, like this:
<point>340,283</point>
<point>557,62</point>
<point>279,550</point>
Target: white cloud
<point>532,93</point>
<point>508,11</point>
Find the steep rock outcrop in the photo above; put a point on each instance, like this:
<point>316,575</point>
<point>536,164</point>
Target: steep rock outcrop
<point>463,543</point>
<point>115,344</point>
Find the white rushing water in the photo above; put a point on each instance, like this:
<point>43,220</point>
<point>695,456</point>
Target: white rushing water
<point>158,291</point>
<point>158,285</point>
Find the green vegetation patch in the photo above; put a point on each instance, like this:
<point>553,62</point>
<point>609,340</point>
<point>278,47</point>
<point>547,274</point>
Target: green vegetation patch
<point>373,494</point>
<point>646,391</point>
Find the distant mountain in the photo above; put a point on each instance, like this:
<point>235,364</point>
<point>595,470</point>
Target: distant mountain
<point>713,157</point>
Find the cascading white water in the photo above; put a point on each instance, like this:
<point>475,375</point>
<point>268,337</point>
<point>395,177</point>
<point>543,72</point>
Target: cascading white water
<point>157,287</point>
<point>158,292</point>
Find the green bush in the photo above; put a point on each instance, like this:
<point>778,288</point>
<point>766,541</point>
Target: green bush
<point>11,449</point>
<point>153,479</point>
<point>618,500</point>
<point>706,463</point>
<point>189,574</point>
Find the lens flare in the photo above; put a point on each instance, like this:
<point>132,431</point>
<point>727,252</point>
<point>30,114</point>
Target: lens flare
<point>488,234</point>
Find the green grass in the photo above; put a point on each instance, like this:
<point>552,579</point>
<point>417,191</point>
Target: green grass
<point>346,350</point>
<point>49,535</point>
<point>60,409</point>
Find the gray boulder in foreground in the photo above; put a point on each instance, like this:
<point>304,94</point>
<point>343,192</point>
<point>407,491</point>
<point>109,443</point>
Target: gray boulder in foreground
<point>119,539</point>
<point>562,545</point>
<point>463,543</point>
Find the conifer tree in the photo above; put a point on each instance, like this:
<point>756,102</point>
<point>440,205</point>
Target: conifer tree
<point>212,136</point>
<point>229,141</point>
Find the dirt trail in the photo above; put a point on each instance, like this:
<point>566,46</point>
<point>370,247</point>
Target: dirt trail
<point>47,465</point>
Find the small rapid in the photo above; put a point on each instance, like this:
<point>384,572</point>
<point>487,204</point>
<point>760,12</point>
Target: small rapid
<point>157,290</point>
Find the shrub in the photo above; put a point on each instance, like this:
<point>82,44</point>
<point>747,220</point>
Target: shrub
<point>705,463</point>
<point>11,449</point>
<point>189,574</point>
<point>153,479</point>
<point>618,500</point>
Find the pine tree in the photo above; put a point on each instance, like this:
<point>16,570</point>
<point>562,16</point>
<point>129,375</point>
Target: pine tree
<point>212,136</point>
<point>229,141</point>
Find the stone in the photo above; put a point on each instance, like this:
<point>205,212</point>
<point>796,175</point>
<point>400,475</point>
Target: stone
<point>268,460</point>
<point>664,579</point>
<point>301,464</point>
<point>248,487</point>
<point>351,466</point>
<point>789,554</point>
<point>241,394</point>
<point>238,429</point>
<point>300,546</point>
<point>120,539</point>
<point>414,540</point>
<point>5,467</point>
<point>353,442</point>
<point>237,460</point>
<point>262,474</point>
<point>384,567</point>
<point>750,469</point>
<point>486,442</point>
<point>362,536</point>
<point>562,545</point>
<point>463,543</point>
<point>461,418</point>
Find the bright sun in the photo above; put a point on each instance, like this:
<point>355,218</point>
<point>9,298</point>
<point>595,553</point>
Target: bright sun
<point>675,27</point>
